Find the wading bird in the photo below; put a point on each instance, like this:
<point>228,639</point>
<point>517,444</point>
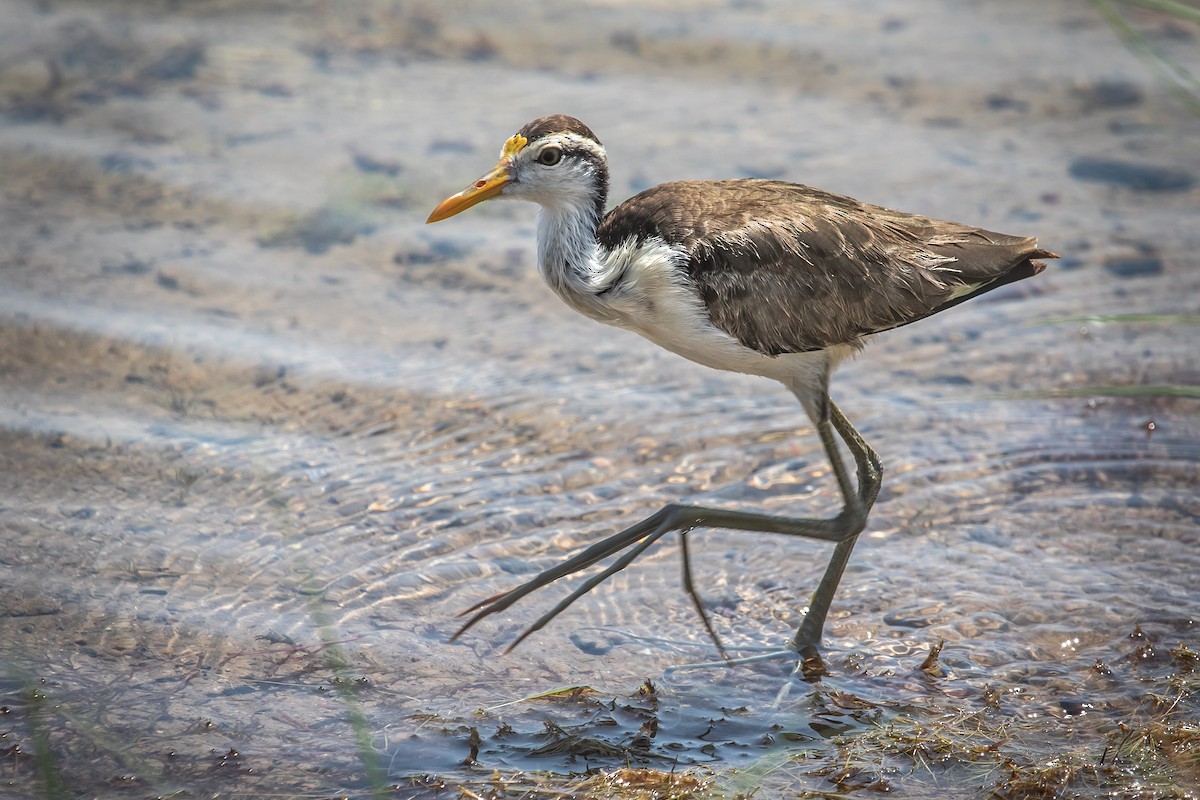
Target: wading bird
<point>754,276</point>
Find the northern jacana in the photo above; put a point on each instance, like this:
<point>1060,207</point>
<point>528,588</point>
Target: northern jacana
<point>754,276</point>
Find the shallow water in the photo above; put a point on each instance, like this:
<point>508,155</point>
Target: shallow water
<point>264,434</point>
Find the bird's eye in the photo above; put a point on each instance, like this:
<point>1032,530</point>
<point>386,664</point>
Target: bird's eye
<point>550,156</point>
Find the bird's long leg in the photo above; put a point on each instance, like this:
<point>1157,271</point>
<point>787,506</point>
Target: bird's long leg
<point>870,468</point>
<point>842,530</point>
<point>807,638</point>
<point>870,477</point>
<point>669,518</point>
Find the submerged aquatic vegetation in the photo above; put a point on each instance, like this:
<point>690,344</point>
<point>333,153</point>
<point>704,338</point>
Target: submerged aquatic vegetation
<point>1132,731</point>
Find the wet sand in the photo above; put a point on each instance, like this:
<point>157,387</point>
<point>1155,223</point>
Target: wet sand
<point>264,433</point>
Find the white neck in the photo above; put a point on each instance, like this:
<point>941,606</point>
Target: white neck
<point>569,258</point>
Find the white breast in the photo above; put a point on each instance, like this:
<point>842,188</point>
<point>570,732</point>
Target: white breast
<point>654,298</point>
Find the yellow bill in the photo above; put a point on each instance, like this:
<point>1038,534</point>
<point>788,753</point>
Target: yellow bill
<point>487,187</point>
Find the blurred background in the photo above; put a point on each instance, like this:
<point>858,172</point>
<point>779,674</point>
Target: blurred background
<point>263,433</point>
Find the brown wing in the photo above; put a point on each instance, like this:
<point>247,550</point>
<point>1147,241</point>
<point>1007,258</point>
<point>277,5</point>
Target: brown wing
<point>786,268</point>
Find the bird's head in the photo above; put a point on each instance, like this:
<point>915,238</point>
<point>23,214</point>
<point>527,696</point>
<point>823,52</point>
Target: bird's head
<point>554,161</point>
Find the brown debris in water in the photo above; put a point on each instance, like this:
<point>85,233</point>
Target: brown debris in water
<point>930,665</point>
